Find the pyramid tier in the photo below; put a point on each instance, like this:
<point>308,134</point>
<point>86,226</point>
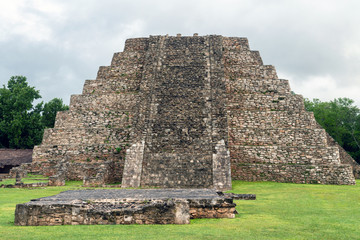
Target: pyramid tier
<point>112,101</point>
<point>104,86</point>
<point>77,170</point>
<point>302,155</point>
<point>86,136</point>
<point>279,137</point>
<point>136,44</point>
<point>323,174</point>
<point>242,58</point>
<point>265,102</point>
<point>93,119</point>
<point>236,44</point>
<point>271,119</point>
<point>128,59</point>
<point>250,72</point>
<point>80,152</point>
<point>279,86</point>
<point>110,72</point>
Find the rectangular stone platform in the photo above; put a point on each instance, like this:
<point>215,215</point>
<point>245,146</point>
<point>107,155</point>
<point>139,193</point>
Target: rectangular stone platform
<point>125,206</point>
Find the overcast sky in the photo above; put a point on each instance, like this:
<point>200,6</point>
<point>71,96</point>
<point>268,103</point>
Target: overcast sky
<point>57,45</point>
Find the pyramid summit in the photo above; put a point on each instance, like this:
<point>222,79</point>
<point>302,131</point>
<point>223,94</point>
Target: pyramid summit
<point>189,112</point>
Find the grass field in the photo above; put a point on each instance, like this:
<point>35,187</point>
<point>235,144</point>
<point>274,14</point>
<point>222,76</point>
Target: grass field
<point>281,211</point>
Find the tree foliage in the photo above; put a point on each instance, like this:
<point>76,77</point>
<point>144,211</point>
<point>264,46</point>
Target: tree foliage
<point>341,119</point>
<point>49,111</point>
<point>21,123</point>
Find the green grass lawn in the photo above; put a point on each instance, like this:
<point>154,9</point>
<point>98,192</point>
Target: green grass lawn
<point>281,211</point>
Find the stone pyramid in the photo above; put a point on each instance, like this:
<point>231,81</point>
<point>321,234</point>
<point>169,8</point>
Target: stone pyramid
<point>189,112</point>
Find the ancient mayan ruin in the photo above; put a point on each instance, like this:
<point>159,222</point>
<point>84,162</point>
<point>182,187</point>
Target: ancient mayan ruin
<point>189,112</point>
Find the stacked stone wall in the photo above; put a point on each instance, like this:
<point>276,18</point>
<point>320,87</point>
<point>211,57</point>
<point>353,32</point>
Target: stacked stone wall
<point>98,127</point>
<point>271,136</point>
<point>279,86</point>
<point>312,155</point>
<point>266,102</point>
<point>271,119</point>
<point>277,137</point>
<point>93,119</point>
<point>314,174</point>
<point>111,101</point>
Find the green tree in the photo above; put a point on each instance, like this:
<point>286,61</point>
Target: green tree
<point>341,119</point>
<point>49,112</point>
<point>20,125</point>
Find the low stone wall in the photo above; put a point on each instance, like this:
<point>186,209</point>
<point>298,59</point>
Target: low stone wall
<point>24,185</point>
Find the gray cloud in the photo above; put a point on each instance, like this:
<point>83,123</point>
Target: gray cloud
<point>59,44</point>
